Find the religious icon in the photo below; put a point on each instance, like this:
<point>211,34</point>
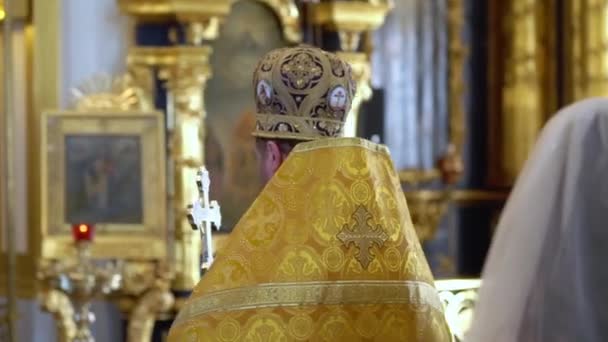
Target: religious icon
<point>105,169</point>
<point>102,179</point>
<point>337,98</point>
<point>264,92</point>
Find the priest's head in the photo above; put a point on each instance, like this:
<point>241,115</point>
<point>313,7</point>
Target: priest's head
<point>302,94</point>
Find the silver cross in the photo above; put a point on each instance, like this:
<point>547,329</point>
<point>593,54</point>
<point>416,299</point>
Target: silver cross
<point>202,215</point>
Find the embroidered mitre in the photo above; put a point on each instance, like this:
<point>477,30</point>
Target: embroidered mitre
<point>302,93</point>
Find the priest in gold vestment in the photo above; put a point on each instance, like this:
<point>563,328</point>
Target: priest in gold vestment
<point>327,252</point>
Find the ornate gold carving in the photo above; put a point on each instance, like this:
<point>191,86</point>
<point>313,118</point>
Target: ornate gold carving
<point>349,40</point>
<point>363,235</point>
<point>138,277</point>
<point>312,293</point>
<point>81,280</point>
<point>457,54</point>
<point>104,92</point>
<point>143,316</point>
<point>7,172</point>
<point>203,17</point>
<point>17,9</point>
<point>185,71</point>
<point>523,70</point>
<point>414,177</point>
<point>198,31</point>
<point>59,305</point>
<point>459,297</point>
<point>427,208</point>
<point>173,56</point>
<point>157,299</point>
<point>200,18</point>
<point>451,165</point>
<point>585,49</point>
<point>186,10</point>
<point>42,49</point>
<point>350,18</point>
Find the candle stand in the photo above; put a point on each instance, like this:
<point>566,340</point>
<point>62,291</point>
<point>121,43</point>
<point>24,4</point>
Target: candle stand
<point>82,280</point>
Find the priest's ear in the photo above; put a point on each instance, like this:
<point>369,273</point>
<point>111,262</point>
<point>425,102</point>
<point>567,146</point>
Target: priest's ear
<point>270,158</point>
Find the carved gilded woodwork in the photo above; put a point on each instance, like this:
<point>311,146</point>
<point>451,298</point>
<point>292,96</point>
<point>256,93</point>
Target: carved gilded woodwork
<point>152,288</point>
<point>144,314</point>
<point>145,290</point>
<point>427,208</point>
<point>82,280</point>
<point>8,223</point>
<point>457,55</point>
<point>585,49</point>
<point>203,17</point>
<point>58,304</point>
<point>522,82</point>
<point>18,9</point>
<point>105,92</point>
<point>184,72</point>
<point>158,10</point>
<point>415,177</point>
<point>40,82</point>
<point>350,18</point>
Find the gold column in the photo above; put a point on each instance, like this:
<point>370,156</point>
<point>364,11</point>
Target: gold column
<point>184,71</point>
<point>8,184</point>
<point>524,63</point>
<point>353,20</point>
<point>585,49</point>
<point>457,54</point>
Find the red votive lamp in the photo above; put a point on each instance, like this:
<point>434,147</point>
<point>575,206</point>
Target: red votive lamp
<point>83,232</point>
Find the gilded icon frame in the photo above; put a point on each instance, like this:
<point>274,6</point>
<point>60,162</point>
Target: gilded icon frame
<point>142,238</point>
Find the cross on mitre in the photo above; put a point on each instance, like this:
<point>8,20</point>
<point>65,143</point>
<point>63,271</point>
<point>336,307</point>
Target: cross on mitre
<point>203,215</point>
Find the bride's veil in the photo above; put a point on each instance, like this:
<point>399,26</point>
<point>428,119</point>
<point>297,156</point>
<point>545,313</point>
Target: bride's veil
<point>546,276</point>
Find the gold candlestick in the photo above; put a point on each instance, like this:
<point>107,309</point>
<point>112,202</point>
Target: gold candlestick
<point>82,281</point>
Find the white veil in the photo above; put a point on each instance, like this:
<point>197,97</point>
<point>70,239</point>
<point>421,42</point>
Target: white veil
<point>546,276</point>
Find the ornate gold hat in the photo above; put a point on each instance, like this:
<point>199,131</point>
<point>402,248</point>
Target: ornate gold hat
<point>302,93</point>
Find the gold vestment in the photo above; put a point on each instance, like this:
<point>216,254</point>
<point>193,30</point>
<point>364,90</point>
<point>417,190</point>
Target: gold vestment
<point>327,252</point>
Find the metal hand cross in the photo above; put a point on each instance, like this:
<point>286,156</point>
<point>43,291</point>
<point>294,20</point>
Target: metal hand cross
<point>202,214</point>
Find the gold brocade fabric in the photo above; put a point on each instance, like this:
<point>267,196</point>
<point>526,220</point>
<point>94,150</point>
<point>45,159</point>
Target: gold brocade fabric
<point>327,252</point>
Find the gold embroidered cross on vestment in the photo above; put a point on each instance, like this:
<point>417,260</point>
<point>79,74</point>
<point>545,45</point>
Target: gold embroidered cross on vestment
<point>363,235</point>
